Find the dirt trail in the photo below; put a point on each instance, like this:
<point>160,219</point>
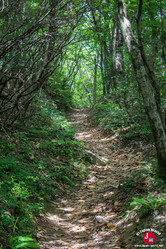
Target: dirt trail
<point>87,217</point>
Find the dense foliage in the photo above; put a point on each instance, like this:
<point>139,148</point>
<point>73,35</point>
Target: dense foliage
<point>55,55</point>
<point>33,36</point>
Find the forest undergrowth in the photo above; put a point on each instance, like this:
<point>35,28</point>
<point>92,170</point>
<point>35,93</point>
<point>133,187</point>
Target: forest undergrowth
<point>52,191</point>
<point>94,177</point>
<point>140,196</point>
<point>36,164</point>
<point>114,202</point>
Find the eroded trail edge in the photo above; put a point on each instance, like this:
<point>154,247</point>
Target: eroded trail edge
<point>89,216</point>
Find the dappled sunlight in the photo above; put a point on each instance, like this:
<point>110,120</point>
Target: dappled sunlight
<point>67,209</point>
<point>81,200</point>
<point>64,201</point>
<point>89,215</point>
<point>65,223</point>
<point>104,168</point>
<point>76,231</point>
<point>108,194</point>
<point>76,122</point>
<point>90,180</point>
<point>84,135</point>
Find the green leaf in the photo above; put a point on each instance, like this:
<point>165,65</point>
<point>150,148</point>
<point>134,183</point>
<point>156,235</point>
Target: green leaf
<point>27,244</point>
<point>22,242</point>
<point>23,238</point>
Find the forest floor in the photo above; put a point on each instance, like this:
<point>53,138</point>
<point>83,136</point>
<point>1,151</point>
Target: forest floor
<point>89,216</point>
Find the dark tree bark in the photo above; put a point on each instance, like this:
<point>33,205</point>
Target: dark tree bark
<point>146,88</point>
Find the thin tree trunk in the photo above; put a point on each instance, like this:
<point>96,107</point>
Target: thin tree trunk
<point>102,71</point>
<point>95,77</point>
<point>163,46</point>
<point>88,93</point>
<point>146,88</point>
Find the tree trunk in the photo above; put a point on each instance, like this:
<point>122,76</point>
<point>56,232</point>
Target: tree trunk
<point>95,77</point>
<point>146,88</point>
<point>102,71</point>
<point>163,45</point>
<point>154,82</point>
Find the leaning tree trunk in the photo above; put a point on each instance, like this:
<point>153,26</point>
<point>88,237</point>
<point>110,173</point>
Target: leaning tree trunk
<point>146,88</point>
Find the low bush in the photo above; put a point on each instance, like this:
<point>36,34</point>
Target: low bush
<point>111,118</point>
<point>148,204</point>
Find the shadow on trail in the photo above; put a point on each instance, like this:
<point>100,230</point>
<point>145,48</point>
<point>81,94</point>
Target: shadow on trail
<point>71,222</point>
<point>88,217</point>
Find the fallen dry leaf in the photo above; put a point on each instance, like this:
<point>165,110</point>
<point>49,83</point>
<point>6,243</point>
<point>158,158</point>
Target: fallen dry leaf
<point>83,236</point>
<point>56,228</point>
<point>111,226</point>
